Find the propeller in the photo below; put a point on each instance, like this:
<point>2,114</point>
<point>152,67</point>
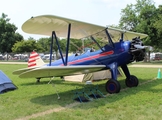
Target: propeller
<point>139,46</point>
<point>137,49</point>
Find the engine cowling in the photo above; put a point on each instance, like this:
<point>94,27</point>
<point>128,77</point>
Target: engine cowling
<point>137,49</point>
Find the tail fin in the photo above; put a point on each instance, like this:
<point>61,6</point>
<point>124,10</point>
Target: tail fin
<point>35,60</point>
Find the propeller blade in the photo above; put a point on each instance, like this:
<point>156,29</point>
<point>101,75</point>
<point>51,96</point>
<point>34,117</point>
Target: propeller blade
<point>139,46</point>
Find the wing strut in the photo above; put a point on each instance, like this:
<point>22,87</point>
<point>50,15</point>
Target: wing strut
<point>59,48</point>
<point>51,49</point>
<point>67,45</point>
<point>60,51</point>
<point>122,36</point>
<point>97,43</point>
<point>109,38</point>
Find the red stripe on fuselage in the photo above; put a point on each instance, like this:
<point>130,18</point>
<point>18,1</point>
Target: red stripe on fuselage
<point>92,57</point>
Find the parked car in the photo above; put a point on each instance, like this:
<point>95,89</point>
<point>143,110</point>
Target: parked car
<point>156,56</point>
<point>1,57</point>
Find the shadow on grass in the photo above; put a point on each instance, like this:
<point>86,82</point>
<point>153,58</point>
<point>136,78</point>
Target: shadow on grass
<point>68,96</point>
<point>56,81</point>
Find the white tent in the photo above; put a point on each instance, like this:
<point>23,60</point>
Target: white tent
<point>101,75</point>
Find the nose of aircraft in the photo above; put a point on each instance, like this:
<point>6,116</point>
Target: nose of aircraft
<point>137,49</point>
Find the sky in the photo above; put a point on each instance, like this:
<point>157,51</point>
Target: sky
<point>99,12</point>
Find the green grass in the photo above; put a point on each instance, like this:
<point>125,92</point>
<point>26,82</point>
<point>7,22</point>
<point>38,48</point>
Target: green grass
<point>142,102</point>
<point>156,62</point>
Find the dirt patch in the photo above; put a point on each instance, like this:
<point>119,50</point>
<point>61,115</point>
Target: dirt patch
<point>49,111</point>
<point>146,66</point>
<point>13,63</point>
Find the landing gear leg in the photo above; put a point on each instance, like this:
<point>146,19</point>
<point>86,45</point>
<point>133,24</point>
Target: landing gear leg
<point>131,80</point>
<point>112,85</point>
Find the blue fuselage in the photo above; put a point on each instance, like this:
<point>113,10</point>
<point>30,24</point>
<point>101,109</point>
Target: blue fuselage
<point>118,53</point>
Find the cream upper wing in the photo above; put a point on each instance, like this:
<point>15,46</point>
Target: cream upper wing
<point>45,24</point>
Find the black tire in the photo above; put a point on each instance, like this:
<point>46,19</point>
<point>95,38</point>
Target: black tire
<point>112,86</point>
<point>132,82</point>
<point>38,80</point>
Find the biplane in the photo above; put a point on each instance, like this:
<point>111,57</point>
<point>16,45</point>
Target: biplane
<point>122,47</point>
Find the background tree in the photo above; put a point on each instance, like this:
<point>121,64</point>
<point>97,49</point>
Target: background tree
<point>128,18</point>
<point>75,44</point>
<point>45,44</point>
<point>141,17</point>
<point>27,46</point>
<point>158,27</point>
<point>8,35</point>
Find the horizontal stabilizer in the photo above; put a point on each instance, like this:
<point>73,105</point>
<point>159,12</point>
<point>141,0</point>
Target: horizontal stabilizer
<point>34,61</point>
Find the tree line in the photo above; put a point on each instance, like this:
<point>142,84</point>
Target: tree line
<point>141,17</point>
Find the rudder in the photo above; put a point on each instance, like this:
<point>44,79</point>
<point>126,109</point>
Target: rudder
<point>35,60</point>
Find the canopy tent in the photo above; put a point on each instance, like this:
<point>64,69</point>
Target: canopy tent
<point>5,83</point>
<point>101,75</point>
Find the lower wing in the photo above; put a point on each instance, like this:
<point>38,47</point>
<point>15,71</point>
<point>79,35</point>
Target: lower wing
<point>57,71</point>
<point>20,71</point>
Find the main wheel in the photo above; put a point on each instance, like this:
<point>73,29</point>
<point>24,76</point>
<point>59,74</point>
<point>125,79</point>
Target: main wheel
<point>38,80</point>
<point>112,86</point>
<point>132,82</point>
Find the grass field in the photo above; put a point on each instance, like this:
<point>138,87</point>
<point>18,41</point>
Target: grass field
<point>38,101</point>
